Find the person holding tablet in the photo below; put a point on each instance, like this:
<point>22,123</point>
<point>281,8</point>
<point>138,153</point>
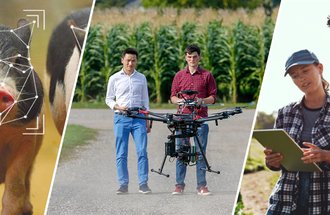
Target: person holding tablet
<point>308,123</point>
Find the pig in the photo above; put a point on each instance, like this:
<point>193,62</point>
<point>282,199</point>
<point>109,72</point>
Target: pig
<point>21,101</point>
<point>63,57</point>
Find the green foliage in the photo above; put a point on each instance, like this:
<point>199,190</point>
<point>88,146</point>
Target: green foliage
<point>89,84</point>
<point>144,43</point>
<point>248,60</point>
<point>117,40</point>
<point>256,158</point>
<point>75,135</point>
<point>188,35</point>
<point>235,55</point>
<point>111,3</point>
<point>166,61</point>
<point>217,58</point>
<point>226,4</point>
<point>265,121</point>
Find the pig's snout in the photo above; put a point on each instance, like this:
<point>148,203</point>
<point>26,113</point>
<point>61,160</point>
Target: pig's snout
<point>6,100</point>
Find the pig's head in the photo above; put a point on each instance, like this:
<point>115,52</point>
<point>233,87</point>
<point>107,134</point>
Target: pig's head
<point>21,93</point>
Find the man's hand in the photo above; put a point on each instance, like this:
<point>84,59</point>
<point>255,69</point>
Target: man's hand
<point>273,159</point>
<point>176,100</point>
<point>120,108</point>
<point>199,101</point>
<point>148,126</point>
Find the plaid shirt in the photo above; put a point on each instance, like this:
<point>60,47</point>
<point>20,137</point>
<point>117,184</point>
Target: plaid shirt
<point>284,196</point>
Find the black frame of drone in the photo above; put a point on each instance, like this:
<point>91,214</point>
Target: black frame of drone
<point>187,124</point>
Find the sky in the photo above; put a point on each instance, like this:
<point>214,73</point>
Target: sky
<point>300,24</point>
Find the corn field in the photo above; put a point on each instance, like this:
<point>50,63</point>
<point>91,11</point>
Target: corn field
<point>236,55</point>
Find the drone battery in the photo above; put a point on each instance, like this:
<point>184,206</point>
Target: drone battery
<point>170,148</point>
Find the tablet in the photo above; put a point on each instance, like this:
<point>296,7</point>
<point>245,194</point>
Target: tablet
<point>279,141</point>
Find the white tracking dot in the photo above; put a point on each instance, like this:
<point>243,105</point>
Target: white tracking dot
<point>36,96</point>
<point>27,47</point>
<point>34,21</point>
<point>19,55</point>
<point>25,116</point>
<point>71,26</point>
<point>11,65</point>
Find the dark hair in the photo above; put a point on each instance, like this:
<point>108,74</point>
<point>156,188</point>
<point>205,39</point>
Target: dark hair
<point>192,48</point>
<point>130,51</point>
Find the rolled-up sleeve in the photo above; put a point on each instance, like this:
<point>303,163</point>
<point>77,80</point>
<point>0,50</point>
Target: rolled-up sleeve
<point>175,85</point>
<point>110,96</point>
<point>212,87</point>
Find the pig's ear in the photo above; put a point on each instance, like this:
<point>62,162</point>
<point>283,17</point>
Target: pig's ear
<point>23,30</point>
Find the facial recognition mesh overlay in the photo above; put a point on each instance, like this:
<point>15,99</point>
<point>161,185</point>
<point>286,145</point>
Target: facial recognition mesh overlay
<point>76,31</point>
<point>17,78</point>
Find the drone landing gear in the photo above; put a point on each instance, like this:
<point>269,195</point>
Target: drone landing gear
<point>160,171</point>
<point>208,167</point>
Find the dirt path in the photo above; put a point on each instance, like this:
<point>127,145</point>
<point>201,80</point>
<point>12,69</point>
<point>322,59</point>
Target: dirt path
<point>87,183</point>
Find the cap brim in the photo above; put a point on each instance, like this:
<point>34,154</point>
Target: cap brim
<point>298,63</point>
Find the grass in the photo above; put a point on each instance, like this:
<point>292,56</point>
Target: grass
<point>256,159</point>
<point>102,105</point>
<point>76,136</point>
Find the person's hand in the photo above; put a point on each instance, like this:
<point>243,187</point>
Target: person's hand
<point>120,108</point>
<point>148,126</point>
<point>273,159</point>
<point>199,101</point>
<point>179,101</point>
<point>314,154</point>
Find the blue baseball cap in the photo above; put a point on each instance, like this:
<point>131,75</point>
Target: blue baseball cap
<point>302,57</point>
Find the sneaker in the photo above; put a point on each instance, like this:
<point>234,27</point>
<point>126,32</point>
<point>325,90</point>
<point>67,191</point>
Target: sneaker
<point>178,190</point>
<point>203,191</point>
<point>144,189</point>
<point>122,190</point>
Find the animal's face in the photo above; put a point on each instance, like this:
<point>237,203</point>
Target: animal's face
<point>19,84</point>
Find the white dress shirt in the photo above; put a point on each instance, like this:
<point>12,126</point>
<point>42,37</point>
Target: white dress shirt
<point>128,91</point>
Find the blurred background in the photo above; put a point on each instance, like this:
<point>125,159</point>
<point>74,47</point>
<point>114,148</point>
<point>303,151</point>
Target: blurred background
<point>234,37</point>
<point>55,11</point>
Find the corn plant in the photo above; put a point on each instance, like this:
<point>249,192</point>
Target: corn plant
<point>166,61</point>
<point>117,39</point>
<point>235,55</point>
<point>188,35</point>
<point>88,84</point>
<point>144,42</point>
<point>217,59</point>
<point>248,60</point>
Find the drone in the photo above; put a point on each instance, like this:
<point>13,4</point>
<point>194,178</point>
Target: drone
<point>183,125</point>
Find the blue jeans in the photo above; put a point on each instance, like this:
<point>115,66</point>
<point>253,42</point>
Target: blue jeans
<point>123,126</point>
<point>181,168</point>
